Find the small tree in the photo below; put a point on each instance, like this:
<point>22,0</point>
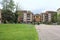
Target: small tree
<point>54,18</point>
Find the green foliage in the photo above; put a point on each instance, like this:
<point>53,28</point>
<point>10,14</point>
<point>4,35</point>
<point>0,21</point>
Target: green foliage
<point>58,18</point>
<point>7,12</point>
<point>15,17</point>
<point>5,4</point>
<point>11,5</point>
<point>8,5</point>
<point>54,18</point>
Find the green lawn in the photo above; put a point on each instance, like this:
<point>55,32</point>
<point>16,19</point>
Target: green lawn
<point>18,32</point>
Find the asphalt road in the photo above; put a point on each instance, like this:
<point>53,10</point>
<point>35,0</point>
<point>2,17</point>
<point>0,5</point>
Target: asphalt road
<point>48,32</point>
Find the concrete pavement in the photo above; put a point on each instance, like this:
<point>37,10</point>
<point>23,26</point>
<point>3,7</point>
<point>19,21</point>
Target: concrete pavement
<point>48,32</point>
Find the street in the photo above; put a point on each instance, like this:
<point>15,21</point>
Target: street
<point>48,32</point>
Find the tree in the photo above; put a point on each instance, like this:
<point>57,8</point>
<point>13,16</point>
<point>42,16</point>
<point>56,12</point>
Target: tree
<point>7,12</point>
<point>11,5</point>
<point>8,4</point>
<point>58,18</point>
<point>54,18</point>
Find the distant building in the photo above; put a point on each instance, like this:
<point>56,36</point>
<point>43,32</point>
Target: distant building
<point>25,16</point>
<point>28,17</point>
<point>0,16</point>
<point>49,16</point>
<point>52,16</point>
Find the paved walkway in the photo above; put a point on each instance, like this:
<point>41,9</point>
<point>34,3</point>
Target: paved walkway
<point>48,32</point>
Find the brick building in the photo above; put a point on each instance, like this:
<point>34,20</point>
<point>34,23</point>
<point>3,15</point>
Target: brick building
<point>37,18</point>
<point>25,16</point>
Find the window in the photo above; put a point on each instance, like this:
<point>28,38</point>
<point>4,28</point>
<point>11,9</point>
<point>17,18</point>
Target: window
<point>28,16</point>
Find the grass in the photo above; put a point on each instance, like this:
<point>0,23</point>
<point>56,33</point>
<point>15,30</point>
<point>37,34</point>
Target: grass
<point>18,32</point>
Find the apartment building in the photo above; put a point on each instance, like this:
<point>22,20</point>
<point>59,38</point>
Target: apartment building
<point>25,16</point>
<point>0,16</point>
<point>52,16</point>
<point>28,17</point>
<point>49,16</point>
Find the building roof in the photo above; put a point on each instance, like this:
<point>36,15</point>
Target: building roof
<point>25,11</point>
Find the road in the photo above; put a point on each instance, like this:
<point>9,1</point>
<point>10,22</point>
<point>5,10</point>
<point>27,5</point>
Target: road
<point>48,32</point>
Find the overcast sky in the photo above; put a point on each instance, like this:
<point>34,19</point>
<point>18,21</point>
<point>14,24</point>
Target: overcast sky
<point>37,6</point>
